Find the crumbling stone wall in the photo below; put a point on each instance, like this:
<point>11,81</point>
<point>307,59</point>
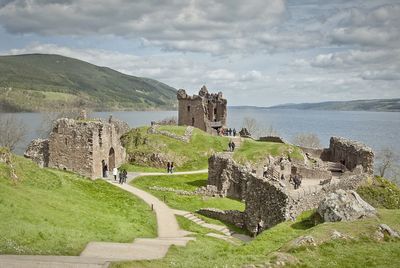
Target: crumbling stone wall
<point>234,217</point>
<point>38,151</point>
<point>229,178</point>
<point>276,139</point>
<point>351,153</point>
<point>81,146</point>
<point>205,111</point>
<point>270,201</point>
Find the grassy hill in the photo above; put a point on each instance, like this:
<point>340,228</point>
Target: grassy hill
<point>51,212</point>
<point>142,147</point>
<point>37,82</point>
<point>379,105</point>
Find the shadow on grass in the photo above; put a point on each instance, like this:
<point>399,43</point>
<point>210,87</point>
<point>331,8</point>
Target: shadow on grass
<point>307,222</point>
<point>198,183</point>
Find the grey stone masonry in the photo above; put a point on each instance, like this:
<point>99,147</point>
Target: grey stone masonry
<point>351,154</point>
<point>205,111</point>
<point>82,146</point>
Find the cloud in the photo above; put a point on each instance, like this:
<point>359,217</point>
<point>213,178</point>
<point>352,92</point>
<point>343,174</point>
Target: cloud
<point>381,75</point>
<point>367,27</point>
<point>198,25</point>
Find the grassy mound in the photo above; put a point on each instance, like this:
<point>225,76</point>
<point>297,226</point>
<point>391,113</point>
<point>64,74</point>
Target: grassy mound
<point>194,155</point>
<point>254,152</point>
<point>360,251</point>
<point>381,193</point>
<point>53,212</point>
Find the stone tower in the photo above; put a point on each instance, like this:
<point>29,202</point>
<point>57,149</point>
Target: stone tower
<point>205,111</point>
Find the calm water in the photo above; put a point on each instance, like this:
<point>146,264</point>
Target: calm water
<point>376,129</point>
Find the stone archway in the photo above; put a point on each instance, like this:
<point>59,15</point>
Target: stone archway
<point>111,159</point>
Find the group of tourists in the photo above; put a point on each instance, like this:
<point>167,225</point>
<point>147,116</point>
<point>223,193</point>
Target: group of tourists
<point>232,146</point>
<point>170,167</point>
<point>227,132</point>
<point>122,175</point>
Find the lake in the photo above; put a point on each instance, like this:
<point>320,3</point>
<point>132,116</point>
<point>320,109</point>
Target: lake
<point>376,129</point>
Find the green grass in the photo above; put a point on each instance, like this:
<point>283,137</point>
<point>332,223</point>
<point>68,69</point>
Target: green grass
<point>380,193</point>
<point>188,183</point>
<point>186,156</point>
<point>58,213</point>
<point>178,130</point>
<point>360,252</point>
<point>255,152</point>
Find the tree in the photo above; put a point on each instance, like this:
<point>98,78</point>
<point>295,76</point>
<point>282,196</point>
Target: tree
<point>387,160</point>
<point>309,140</point>
<point>256,130</point>
<point>12,131</point>
<point>251,125</point>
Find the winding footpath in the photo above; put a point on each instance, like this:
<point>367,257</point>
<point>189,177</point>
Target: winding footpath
<point>101,254</point>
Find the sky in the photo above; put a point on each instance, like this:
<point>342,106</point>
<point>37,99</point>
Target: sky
<point>257,52</point>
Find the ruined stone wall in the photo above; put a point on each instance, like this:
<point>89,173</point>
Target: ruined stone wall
<point>80,146</point>
<point>228,177</point>
<point>270,201</point>
<point>266,204</point>
<point>71,146</point>
<point>316,174</point>
<point>234,217</point>
<point>272,139</point>
<point>351,153</point>
<point>203,111</point>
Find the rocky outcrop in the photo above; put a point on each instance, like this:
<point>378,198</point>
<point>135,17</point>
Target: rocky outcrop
<point>344,205</point>
<point>38,151</point>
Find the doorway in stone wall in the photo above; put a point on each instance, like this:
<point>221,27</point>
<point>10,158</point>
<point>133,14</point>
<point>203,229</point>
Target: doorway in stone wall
<point>111,159</point>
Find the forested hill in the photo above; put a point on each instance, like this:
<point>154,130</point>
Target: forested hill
<point>381,105</point>
<point>37,82</point>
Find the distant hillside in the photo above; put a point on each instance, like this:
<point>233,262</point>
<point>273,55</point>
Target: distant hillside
<point>37,82</point>
<point>380,105</point>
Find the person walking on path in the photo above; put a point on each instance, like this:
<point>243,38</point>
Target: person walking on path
<point>233,146</point>
<point>168,167</point>
<point>172,167</point>
<point>234,132</point>
<point>121,177</point>
<point>230,132</point>
<point>115,173</point>
<point>125,175</point>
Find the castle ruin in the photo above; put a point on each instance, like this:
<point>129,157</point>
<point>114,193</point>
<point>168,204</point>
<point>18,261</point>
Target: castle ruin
<point>81,146</point>
<point>205,111</point>
<point>270,198</point>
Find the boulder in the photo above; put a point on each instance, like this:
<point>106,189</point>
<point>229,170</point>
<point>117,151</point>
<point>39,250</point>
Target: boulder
<point>344,206</point>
